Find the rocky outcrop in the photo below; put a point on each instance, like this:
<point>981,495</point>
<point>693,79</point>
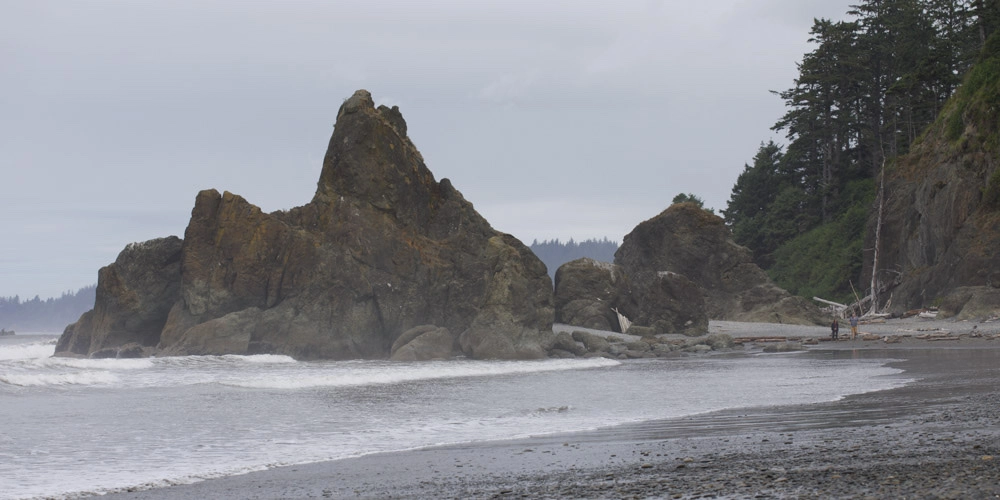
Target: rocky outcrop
<point>672,274</point>
<point>941,230</point>
<point>971,303</point>
<point>588,293</point>
<point>585,344</point>
<point>382,248</point>
<point>423,343</point>
<point>134,295</point>
<point>686,240</point>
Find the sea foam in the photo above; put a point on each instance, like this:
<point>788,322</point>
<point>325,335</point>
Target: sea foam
<point>34,350</point>
<point>74,378</point>
<point>395,373</point>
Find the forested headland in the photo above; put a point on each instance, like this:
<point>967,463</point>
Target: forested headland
<point>863,97</point>
<point>45,315</point>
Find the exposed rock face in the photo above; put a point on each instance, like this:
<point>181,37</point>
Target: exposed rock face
<point>941,228</point>
<point>588,292</point>
<point>422,343</point>
<point>134,295</point>
<point>671,274</point>
<point>936,235</point>
<point>685,240</point>
<point>971,303</point>
<point>381,249</point>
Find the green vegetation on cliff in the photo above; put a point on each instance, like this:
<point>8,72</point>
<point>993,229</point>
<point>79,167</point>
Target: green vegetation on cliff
<point>971,119</point>
<point>977,101</point>
<point>824,260</point>
<point>863,97</point>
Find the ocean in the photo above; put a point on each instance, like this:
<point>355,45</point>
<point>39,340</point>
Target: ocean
<point>77,427</point>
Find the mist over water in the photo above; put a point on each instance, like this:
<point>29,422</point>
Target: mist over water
<point>88,426</point>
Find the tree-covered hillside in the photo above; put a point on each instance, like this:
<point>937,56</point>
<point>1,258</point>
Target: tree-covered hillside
<point>48,315</point>
<point>863,96</point>
<point>555,253</point>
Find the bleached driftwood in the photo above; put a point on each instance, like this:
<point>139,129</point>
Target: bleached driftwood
<point>623,322</point>
<point>830,302</point>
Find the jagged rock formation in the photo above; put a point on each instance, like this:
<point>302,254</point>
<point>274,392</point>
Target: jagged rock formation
<point>688,241</point>
<point>588,292</point>
<point>941,234</point>
<point>382,248</point>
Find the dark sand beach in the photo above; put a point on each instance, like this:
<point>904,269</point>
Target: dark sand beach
<point>937,437</point>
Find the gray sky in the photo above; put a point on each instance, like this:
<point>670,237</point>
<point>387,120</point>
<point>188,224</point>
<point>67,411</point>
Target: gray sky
<point>556,119</point>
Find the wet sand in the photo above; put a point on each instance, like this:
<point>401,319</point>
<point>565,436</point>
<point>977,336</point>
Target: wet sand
<point>938,437</point>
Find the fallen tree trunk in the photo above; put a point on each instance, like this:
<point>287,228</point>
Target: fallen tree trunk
<point>830,302</point>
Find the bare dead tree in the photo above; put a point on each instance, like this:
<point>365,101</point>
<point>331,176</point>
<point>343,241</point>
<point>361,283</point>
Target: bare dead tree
<point>878,236</point>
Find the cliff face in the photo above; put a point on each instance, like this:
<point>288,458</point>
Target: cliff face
<point>382,248</point>
<point>941,233</point>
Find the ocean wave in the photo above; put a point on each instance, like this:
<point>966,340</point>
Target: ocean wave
<point>34,350</point>
<point>94,364</point>
<point>394,373</point>
<point>225,360</point>
<point>44,379</point>
<point>266,359</point>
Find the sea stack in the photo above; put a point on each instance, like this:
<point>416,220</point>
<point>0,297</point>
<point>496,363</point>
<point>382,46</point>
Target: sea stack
<point>690,241</point>
<point>672,274</point>
<point>381,249</point>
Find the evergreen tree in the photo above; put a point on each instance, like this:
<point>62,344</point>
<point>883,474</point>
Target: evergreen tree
<point>864,94</point>
<point>751,206</point>
<point>48,315</point>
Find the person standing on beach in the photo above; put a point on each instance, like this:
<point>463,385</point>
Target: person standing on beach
<point>854,325</point>
<point>834,329</point>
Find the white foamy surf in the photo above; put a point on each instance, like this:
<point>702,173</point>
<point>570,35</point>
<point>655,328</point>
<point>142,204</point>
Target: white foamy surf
<point>90,426</point>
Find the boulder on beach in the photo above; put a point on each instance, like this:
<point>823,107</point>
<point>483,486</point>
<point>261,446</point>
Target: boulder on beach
<point>382,248</point>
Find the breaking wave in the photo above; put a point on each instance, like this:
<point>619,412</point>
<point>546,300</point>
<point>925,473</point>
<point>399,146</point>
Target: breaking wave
<point>393,373</point>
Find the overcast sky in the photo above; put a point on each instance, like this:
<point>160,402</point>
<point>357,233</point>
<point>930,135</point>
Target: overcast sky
<point>556,119</point>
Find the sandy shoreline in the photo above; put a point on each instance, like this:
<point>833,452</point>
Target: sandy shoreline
<point>938,437</point>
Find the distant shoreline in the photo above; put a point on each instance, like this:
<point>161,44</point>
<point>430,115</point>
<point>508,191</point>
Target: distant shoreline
<point>938,436</point>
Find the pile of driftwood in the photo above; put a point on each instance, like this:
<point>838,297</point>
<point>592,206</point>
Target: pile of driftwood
<point>927,313</point>
<point>843,310</point>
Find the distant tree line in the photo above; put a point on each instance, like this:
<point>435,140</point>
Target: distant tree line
<point>49,315</point>
<point>863,96</point>
<point>555,253</point>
